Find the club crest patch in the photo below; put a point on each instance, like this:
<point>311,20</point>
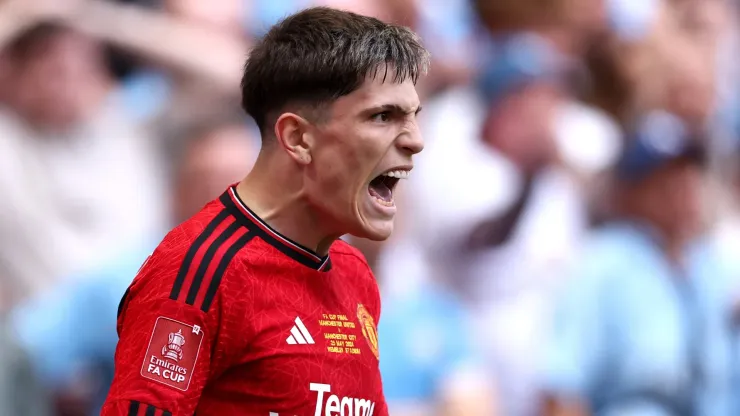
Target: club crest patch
<point>367,324</point>
<point>172,353</point>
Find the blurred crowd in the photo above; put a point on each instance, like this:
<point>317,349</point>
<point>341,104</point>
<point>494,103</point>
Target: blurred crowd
<point>567,245</point>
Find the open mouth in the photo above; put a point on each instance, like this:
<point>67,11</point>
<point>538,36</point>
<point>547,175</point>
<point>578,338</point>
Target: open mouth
<point>381,188</point>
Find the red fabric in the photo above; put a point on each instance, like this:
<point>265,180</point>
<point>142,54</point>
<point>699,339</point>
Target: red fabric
<point>136,408</point>
<point>230,354</point>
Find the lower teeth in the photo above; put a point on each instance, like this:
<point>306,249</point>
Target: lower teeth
<point>383,201</point>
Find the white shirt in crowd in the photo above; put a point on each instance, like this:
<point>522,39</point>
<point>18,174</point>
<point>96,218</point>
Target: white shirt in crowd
<point>69,202</point>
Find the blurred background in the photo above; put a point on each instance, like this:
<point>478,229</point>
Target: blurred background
<point>568,243</point>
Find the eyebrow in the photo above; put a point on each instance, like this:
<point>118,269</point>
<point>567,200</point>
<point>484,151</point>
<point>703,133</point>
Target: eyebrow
<point>395,108</point>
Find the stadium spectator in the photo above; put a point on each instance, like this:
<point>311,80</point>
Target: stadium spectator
<point>79,180</point>
<point>571,25</point>
<point>71,334</point>
<point>643,326</point>
<point>502,238</point>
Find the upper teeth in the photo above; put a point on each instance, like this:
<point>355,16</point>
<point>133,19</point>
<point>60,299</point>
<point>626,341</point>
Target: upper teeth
<point>399,174</point>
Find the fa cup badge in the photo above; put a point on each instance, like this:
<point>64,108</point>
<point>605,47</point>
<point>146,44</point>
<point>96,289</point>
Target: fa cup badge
<point>173,349</point>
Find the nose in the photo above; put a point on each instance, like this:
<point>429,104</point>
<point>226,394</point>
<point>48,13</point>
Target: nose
<point>411,142</point>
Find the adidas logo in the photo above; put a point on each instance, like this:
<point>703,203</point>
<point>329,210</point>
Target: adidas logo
<point>299,334</point>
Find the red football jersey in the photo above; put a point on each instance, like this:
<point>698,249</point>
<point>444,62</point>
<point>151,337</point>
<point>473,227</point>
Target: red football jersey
<point>229,317</point>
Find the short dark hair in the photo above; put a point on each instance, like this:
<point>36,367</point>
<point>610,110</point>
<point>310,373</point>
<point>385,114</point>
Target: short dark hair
<point>320,54</point>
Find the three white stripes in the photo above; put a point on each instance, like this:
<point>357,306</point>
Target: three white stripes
<point>299,334</point>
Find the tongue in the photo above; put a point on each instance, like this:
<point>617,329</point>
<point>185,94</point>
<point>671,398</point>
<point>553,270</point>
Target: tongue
<point>379,189</point>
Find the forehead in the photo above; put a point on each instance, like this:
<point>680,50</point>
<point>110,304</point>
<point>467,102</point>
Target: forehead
<point>377,92</point>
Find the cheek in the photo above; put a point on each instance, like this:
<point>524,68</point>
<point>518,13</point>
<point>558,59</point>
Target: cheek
<point>333,177</point>
<point>685,199</point>
<point>693,192</point>
<point>348,161</point>
<point>342,165</point>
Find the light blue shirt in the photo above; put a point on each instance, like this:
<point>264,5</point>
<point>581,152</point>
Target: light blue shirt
<point>627,324</point>
<point>423,341</point>
<point>73,329</point>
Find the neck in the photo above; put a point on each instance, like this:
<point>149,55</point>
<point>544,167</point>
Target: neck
<point>678,239</point>
<point>273,193</point>
<point>561,39</point>
<point>672,241</point>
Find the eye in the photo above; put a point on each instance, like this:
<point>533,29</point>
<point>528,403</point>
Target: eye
<point>383,117</point>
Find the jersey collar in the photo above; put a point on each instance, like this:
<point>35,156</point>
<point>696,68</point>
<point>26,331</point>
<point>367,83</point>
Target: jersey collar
<point>230,199</point>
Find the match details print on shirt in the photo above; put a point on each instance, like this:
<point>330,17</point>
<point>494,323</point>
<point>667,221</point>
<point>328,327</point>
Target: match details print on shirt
<point>339,332</point>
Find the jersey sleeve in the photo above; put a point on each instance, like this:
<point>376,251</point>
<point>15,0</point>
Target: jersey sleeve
<point>167,349</point>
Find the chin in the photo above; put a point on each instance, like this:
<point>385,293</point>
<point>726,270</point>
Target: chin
<point>371,220</point>
<point>375,232</point>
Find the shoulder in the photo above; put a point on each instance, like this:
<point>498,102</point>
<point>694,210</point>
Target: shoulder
<point>184,251</point>
<point>347,252</point>
<point>207,219</point>
<point>345,255</point>
<point>608,265</point>
<point>614,247</point>
<point>15,147</point>
<point>349,260</point>
<point>201,230</point>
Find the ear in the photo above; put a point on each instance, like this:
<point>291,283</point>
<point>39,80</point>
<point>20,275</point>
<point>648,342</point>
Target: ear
<point>291,131</point>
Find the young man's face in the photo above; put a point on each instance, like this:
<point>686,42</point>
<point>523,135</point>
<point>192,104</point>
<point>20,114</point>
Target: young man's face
<point>58,85</point>
<point>672,197</point>
<point>680,189</point>
<point>362,149</point>
<point>210,164</point>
